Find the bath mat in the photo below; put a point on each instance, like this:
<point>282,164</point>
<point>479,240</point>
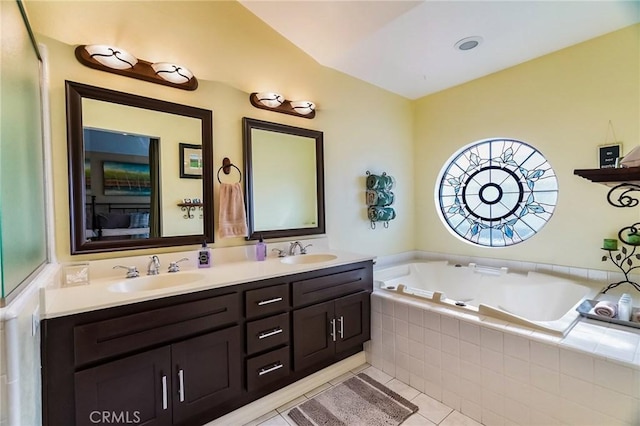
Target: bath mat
<point>359,400</point>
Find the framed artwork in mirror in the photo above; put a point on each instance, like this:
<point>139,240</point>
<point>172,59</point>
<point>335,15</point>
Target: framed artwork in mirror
<point>190,161</point>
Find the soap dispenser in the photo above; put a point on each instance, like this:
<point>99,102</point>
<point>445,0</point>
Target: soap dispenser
<point>204,256</point>
<point>261,249</point>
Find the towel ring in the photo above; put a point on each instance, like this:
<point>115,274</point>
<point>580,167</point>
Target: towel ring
<point>226,165</point>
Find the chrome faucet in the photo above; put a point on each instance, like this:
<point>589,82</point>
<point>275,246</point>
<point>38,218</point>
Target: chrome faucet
<point>154,266</point>
<point>292,248</point>
<point>132,271</point>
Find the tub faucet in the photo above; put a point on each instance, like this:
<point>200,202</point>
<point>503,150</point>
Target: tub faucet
<point>292,248</point>
<point>154,266</point>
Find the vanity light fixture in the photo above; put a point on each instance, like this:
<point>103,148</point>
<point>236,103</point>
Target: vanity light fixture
<point>118,61</point>
<point>303,107</point>
<point>172,72</point>
<point>111,56</point>
<point>270,99</point>
<point>275,102</point>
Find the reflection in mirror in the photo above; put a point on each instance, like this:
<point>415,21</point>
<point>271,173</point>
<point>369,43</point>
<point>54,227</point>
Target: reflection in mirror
<point>125,172</point>
<point>284,179</point>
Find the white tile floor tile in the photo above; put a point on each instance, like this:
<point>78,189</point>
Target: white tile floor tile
<point>417,420</point>
<point>433,410</point>
<point>275,421</point>
<point>378,375</point>
<point>402,389</point>
<point>263,418</point>
<point>458,419</point>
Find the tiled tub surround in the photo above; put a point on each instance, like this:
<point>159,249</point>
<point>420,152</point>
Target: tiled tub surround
<point>502,374</point>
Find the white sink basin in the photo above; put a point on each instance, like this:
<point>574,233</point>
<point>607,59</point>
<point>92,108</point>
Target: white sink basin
<point>308,258</point>
<point>155,282</point>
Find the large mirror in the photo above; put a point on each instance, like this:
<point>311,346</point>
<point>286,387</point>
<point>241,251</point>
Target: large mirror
<point>140,171</point>
<point>284,185</point>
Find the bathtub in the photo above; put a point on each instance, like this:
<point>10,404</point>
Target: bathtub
<point>534,300</point>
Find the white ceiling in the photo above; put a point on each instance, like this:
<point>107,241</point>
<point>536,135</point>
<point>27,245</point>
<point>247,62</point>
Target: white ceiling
<point>407,47</point>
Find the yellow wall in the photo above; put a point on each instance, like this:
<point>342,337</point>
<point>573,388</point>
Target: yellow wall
<point>560,103</point>
<point>365,128</point>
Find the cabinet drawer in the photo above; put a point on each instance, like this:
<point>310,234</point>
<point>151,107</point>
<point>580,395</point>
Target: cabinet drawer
<point>268,300</point>
<point>128,333</point>
<point>306,292</point>
<point>267,368</point>
<point>267,333</point>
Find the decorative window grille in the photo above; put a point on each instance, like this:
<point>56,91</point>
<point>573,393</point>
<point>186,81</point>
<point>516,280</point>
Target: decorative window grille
<point>496,192</point>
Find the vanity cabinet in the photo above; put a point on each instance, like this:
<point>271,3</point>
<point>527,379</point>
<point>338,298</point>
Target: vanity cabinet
<point>162,386</point>
<point>323,330</point>
<point>191,358</point>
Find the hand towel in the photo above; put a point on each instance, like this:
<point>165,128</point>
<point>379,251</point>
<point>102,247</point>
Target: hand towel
<point>604,308</point>
<point>232,218</point>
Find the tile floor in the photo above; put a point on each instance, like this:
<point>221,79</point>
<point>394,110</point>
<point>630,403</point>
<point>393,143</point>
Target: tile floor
<point>431,412</point>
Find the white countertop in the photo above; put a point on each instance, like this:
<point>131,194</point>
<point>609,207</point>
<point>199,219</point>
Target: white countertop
<point>58,302</point>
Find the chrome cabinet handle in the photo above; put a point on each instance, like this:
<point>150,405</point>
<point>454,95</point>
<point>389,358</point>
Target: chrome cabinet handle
<point>266,302</point>
<point>333,329</point>
<point>164,392</point>
<point>273,332</point>
<point>181,384</point>
<point>341,331</point>
<point>274,367</point>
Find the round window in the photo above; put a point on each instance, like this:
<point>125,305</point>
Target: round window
<point>496,192</point>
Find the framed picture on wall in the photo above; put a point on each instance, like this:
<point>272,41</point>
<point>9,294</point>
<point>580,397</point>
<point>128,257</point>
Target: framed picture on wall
<point>190,161</point>
<point>609,155</point>
<point>126,178</point>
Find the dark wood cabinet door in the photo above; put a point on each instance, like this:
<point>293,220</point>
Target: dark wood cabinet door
<point>352,321</point>
<point>312,335</point>
<point>132,390</point>
<point>206,372</point>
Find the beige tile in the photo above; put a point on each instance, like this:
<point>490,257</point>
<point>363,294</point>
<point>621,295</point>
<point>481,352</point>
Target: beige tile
<point>431,409</point>
<point>341,378</point>
<point>291,404</point>
<point>314,392</point>
<point>262,418</point>
<point>377,375</point>
<point>402,389</point>
<point>417,420</point>
<point>458,419</point>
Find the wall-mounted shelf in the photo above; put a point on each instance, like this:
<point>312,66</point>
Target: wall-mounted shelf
<point>611,177</point>
<point>189,208</point>
<point>624,181</point>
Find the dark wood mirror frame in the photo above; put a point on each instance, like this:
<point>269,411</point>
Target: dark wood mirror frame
<point>247,125</point>
<point>75,92</point>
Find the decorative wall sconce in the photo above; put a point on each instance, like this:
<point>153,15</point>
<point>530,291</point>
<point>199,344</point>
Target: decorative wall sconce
<point>275,102</point>
<point>118,61</point>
